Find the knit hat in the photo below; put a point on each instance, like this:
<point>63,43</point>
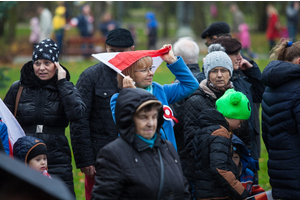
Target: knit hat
<point>119,37</point>
<point>28,147</point>
<point>216,58</point>
<point>234,105</point>
<point>215,29</point>
<point>46,49</point>
<point>231,45</point>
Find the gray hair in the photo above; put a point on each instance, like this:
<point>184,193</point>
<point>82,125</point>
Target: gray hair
<point>188,49</point>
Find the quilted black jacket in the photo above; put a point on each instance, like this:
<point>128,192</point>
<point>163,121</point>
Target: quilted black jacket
<point>128,168</point>
<point>202,99</point>
<point>53,104</point>
<point>216,174</point>
<point>96,128</point>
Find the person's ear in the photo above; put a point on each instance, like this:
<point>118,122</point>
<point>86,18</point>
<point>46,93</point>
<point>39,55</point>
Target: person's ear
<point>132,48</point>
<point>298,61</point>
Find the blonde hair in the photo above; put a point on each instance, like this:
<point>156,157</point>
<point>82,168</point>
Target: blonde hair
<point>140,64</point>
<point>284,52</point>
<point>271,9</point>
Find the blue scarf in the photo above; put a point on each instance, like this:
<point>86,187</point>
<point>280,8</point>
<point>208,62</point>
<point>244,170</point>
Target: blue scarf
<point>149,142</point>
<point>149,89</point>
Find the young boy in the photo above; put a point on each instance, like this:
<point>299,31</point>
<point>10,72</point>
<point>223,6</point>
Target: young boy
<point>244,162</point>
<point>33,152</point>
<point>216,175</point>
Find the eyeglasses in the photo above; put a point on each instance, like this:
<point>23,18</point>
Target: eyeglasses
<point>216,71</point>
<point>146,71</point>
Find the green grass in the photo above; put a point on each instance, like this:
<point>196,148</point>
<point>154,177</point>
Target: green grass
<point>162,76</point>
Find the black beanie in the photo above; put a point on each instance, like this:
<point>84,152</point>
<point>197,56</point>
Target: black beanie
<point>216,29</point>
<point>119,37</point>
<point>46,49</point>
<point>38,149</point>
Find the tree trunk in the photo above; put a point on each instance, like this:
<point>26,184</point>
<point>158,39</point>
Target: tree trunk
<point>12,23</point>
<point>199,22</point>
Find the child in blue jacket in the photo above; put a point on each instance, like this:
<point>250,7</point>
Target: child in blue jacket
<point>245,163</point>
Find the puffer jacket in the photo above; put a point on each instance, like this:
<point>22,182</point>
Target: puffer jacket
<point>128,168</point>
<point>52,104</point>
<point>216,174</point>
<point>281,127</point>
<point>203,98</point>
<point>96,128</point>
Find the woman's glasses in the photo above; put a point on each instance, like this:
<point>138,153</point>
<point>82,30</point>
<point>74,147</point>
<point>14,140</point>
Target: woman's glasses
<point>146,71</point>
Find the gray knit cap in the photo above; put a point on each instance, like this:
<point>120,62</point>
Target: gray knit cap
<point>217,57</point>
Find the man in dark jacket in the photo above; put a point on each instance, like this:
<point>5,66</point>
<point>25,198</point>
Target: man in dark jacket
<point>188,49</point>
<point>97,84</point>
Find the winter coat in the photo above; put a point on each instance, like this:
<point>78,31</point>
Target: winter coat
<point>96,128</point>
<point>249,83</point>
<point>291,14</point>
<point>244,36</point>
<point>52,104</point>
<point>85,26</point>
<point>272,27</point>
<point>216,174</point>
<point>281,127</point>
<point>128,168</point>
<point>171,93</point>
<point>178,113</point>
<point>203,98</point>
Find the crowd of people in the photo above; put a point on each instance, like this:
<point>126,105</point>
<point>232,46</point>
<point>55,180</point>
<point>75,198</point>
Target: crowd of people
<point>133,138</point>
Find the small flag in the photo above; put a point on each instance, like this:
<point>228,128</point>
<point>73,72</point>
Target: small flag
<point>262,196</point>
<point>119,61</point>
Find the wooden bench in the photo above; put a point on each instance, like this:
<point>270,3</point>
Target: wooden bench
<point>73,46</point>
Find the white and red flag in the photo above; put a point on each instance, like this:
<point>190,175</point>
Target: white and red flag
<point>119,61</point>
<point>14,129</point>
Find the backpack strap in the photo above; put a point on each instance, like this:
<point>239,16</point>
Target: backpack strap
<point>18,99</point>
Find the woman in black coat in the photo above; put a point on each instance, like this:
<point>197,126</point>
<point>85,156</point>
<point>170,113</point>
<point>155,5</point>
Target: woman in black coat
<point>139,164</point>
<point>48,102</point>
<point>281,120</point>
<point>218,72</point>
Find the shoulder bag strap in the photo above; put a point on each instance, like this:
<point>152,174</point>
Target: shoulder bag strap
<point>18,99</point>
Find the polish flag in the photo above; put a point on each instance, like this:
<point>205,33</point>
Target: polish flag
<point>14,129</point>
<point>119,61</point>
<point>262,196</point>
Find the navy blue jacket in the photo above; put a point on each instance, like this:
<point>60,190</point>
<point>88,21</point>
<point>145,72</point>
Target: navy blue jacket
<point>281,127</point>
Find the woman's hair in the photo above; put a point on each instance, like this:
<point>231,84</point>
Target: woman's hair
<point>285,50</point>
<point>271,9</point>
<point>140,64</point>
<point>149,107</point>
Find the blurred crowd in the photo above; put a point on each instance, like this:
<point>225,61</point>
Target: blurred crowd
<point>197,137</point>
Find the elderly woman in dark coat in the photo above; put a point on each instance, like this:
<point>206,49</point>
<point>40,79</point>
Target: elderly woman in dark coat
<point>139,164</point>
<point>281,120</point>
<point>48,102</point>
<point>218,70</point>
